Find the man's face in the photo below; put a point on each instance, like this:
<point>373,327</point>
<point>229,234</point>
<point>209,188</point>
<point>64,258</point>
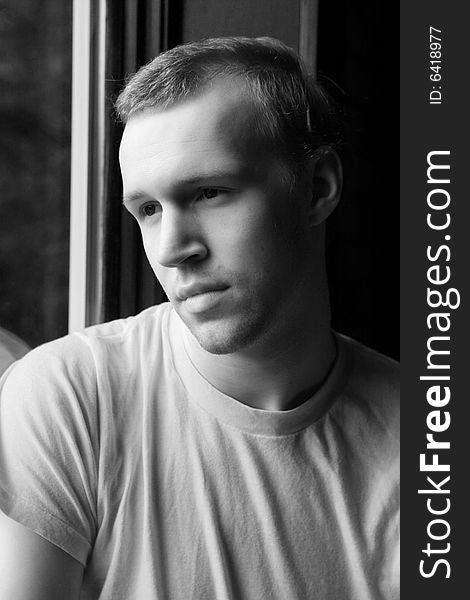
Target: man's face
<point>222,231</point>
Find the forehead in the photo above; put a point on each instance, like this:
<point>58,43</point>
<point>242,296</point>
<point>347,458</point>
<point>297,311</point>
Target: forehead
<point>220,122</point>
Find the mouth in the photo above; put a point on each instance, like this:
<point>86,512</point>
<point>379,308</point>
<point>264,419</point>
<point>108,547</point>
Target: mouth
<point>199,289</point>
<point>200,298</point>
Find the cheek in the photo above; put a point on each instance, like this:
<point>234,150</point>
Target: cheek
<point>165,277</point>
<point>240,244</point>
<point>252,227</point>
<point>151,251</point>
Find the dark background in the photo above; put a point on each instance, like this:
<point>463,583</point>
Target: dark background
<point>355,50</point>
<point>35,84</point>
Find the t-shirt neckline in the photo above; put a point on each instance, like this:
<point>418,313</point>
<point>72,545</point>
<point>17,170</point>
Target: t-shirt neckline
<point>256,421</point>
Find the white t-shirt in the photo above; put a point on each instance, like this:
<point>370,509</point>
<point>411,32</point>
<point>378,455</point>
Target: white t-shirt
<point>114,448</point>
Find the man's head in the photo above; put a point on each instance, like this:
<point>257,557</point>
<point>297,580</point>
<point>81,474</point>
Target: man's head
<point>228,175</point>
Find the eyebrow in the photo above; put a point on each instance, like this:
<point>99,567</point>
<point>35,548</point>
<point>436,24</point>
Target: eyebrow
<point>197,179</point>
<point>130,198</point>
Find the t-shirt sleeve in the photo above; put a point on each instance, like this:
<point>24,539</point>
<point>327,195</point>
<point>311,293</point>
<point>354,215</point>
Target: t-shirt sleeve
<point>49,445</point>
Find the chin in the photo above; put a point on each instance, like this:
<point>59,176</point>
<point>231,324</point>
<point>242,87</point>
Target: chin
<point>226,338</point>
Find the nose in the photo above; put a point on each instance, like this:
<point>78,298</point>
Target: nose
<point>180,238</point>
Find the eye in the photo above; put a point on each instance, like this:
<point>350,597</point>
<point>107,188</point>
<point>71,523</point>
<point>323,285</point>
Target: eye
<point>148,210</point>
<point>209,193</point>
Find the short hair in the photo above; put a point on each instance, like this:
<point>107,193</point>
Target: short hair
<point>296,114</point>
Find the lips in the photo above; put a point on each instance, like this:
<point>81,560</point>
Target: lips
<point>202,299</point>
<point>195,289</point>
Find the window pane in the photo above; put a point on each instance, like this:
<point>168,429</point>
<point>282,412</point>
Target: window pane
<point>35,76</point>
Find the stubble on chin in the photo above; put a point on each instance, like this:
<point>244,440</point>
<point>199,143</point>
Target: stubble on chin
<point>231,333</point>
<point>217,337</point>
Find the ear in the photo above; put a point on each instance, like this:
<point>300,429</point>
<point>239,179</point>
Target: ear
<point>326,184</point>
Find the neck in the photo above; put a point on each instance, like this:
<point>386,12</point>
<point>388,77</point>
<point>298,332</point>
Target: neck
<point>276,374</point>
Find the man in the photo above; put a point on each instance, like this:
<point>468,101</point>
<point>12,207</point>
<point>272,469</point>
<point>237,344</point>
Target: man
<point>227,444</point>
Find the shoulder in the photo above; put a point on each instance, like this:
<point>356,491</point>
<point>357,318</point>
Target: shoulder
<point>75,353</point>
<point>64,359</point>
<point>374,377</point>
<point>369,408</point>
<point>130,336</point>
<point>371,360</point>
<point>147,321</point>
<point>71,369</point>
<point>52,385</point>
